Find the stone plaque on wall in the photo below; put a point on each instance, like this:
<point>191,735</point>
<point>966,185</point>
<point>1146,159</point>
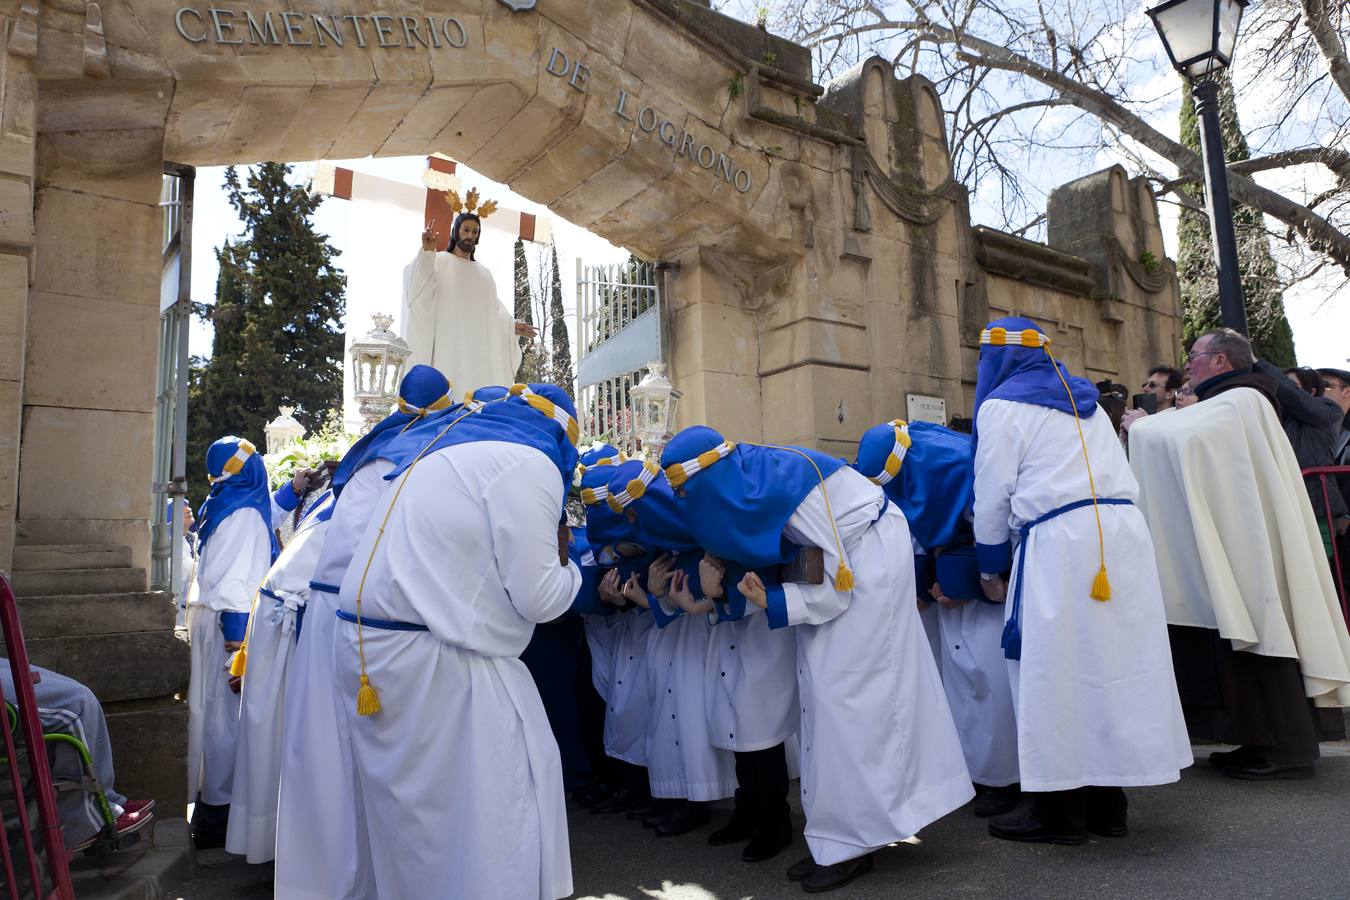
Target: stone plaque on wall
<point>922,408</point>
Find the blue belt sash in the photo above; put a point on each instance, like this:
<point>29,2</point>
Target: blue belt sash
<point>1012,629</point>
<point>381,624</point>
<point>326,588</point>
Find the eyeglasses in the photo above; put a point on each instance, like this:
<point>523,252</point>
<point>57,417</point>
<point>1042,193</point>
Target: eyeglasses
<point>1186,390</point>
<point>1192,357</point>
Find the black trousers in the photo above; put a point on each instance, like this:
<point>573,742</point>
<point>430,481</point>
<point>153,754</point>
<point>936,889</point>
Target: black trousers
<point>762,779</point>
<point>1234,697</point>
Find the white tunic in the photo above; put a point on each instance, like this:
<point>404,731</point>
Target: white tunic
<point>317,812</point>
<point>880,754</point>
<point>232,565</point>
<point>452,319</point>
<point>601,632</point>
<point>459,771</point>
<point>630,696</point>
<point>975,677</point>
<point>743,656</point>
<point>271,643</point>
<point>681,760</point>
<point>1095,695</point>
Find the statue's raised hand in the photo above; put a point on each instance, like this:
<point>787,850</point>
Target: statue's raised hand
<point>429,236</point>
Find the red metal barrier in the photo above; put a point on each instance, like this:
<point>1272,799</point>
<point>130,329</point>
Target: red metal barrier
<point>1322,473</point>
<point>58,869</point>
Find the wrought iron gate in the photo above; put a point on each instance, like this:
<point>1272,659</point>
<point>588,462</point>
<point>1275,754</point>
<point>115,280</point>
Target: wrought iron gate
<point>618,333</point>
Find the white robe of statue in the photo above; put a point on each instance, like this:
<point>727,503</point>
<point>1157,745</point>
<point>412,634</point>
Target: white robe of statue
<point>1094,692</point>
<point>453,320</point>
<point>459,771</point>
<point>271,644</point>
<point>232,565</point>
<point>317,812</point>
<point>880,754</point>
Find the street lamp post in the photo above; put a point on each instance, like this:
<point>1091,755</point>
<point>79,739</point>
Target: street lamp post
<point>1200,36</point>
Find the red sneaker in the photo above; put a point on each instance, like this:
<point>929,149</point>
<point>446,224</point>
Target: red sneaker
<point>136,814</point>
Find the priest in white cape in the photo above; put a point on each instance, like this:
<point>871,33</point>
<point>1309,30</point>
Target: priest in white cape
<point>263,662</point>
<point>1257,631</point>
<point>236,546</point>
<point>1085,636</point>
<point>451,315</point>
<point>457,768</point>
<point>317,811</point>
<point>880,757</point>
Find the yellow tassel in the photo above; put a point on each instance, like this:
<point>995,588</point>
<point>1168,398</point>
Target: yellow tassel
<point>367,701</point>
<point>1101,588</point>
<point>240,660</point>
<point>843,578</point>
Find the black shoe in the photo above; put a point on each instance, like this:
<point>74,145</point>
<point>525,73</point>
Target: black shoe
<point>827,878</point>
<point>210,823</point>
<point>656,809</point>
<point>621,800</point>
<point>684,820</point>
<point>802,869</point>
<point>1037,826</point>
<point>1242,756</point>
<point>1107,811</point>
<point>1265,770</point>
<point>995,801</point>
<point>741,828</point>
<point>768,842</point>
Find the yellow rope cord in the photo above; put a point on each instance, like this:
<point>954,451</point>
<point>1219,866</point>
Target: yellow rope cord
<point>1101,588</point>
<point>367,700</point>
<point>843,578</point>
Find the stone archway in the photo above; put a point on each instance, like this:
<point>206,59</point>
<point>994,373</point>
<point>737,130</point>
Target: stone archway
<point>823,264</point>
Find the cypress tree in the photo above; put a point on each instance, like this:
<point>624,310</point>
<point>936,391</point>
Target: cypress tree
<point>277,320</point>
<point>1271,336</point>
<point>562,343</point>
<point>532,367</point>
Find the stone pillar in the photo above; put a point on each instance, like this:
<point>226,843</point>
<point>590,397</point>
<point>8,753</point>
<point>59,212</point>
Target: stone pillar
<point>93,314</point>
<point>18,127</point>
<point>714,346</point>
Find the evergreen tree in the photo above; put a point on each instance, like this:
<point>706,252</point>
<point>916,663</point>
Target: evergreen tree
<point>562,343</point>
<point>1270,333</point>
<point>277,320</point>
<point>533,362</point>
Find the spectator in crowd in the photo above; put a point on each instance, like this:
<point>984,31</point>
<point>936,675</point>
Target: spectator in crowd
<point>1185,395</point>
<point>68,707</point>
<point>1313,423</point>
<point>1163,382</point>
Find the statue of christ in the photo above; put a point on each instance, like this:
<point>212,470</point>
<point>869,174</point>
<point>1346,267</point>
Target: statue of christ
<point>452,318</point>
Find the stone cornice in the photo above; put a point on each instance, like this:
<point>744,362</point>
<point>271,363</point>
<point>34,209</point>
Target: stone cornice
<point>1001,253</point>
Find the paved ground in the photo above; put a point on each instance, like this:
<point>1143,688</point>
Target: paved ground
<point>1207,837</point>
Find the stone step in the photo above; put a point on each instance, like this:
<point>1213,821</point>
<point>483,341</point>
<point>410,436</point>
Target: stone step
<point>140,873</point>
<point>137,665</point>
<point>149,740</point>
<point>70,615</point>
<point>56,557</point>
<point>78,581</point>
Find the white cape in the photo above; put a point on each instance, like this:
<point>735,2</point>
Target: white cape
<point>1238,546</point>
